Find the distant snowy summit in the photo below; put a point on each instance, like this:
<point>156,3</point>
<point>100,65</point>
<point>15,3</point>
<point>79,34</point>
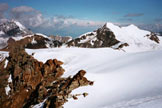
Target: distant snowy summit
<point>14,33</point>
<point>10,29</point>
<point>13,28</point>
<point>129,38</point>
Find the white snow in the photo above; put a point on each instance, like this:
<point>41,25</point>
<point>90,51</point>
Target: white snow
<point>130,79</point>
<point>88,38</point>
<point>1,33</point>
<point>135,37</point>
<point>7,89</point>
<point>6,63</point>
<point>22,37</point>
<point>116,45</point>
<point>19,25</point>
<point>121,80</point>
<point>85,34</point>
<point>3,54</point>
<point>40,105</point>
<point>45,36</point>
<point>34,41</point>
<point>9,79</point>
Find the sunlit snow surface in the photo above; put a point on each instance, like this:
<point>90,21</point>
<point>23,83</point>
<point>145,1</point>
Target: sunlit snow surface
<point>121,79</point>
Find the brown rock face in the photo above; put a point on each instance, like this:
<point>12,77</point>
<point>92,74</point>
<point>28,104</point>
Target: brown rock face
<point>63,39</point>
<point>153,37</point>
<point>32,42</point>
<point>103,37</point>
<point>106,36</point>
<point>34,82</point>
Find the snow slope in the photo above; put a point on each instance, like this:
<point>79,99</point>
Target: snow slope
<point>135,37</point>
<point>122,80</point>
<point>19,25</point>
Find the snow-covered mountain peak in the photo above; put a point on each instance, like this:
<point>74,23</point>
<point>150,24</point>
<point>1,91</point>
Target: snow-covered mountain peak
<point>19,24</point>
<point>129,38</point>
<point>109,24</point>
<point>132,26</point>
<point>117,29</point>
<point>13,28</point>
<point>112,26</point>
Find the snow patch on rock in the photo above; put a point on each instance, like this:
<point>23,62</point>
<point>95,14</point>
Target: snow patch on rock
<point>6,63</point>
<point>33,41</point>
<point>19,25</point>
<point>7,89</point>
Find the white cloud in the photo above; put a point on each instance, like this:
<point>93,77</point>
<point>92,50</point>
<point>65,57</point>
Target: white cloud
<point>28,16</point>
<point>21,9</point>
<point>3,9</point>
<point>70,21</point>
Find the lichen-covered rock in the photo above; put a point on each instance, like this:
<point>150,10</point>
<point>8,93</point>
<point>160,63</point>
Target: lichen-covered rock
<point>25,81</point>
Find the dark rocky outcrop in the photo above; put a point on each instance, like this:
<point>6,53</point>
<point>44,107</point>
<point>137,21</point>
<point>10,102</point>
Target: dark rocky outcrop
<point>11,28</point>
<point>160,33</point>
<point>103,37</point>
<point>62,39</point>
<point>32,42</point>
<point>153,37</point>
<point>33,82</point>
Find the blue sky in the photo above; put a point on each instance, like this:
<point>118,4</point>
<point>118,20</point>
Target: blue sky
<point>84,15</point>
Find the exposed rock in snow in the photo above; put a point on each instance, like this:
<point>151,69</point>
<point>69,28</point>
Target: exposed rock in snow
<point>1,33</point>
<point>31,82</point>
<point>40,105</point>
<point>34,41</point>
<point>6,63</point>
<point>3,55</point>
<point>131,79</point>
<point>129,38</point>
<point>63,39</point>
<point>153,37</point>
<point>19,25</point>
<point>11,29</point>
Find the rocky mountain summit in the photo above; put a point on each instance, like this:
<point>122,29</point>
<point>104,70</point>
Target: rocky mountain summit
<point>110,35</point>
<point>10,29</point>
<point>103,37</point>
<point>13,28</point>
<point>116,37</point>
<point>12,32</point>
<point>34,41</point>
<point>62,39</point>
<point>26,82</point>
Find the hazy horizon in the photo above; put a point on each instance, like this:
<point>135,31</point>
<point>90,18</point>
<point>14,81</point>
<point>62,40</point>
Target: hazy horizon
<point>74,17</point>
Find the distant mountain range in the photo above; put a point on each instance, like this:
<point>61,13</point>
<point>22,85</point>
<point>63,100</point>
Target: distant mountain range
<point>125,38</point>
<point>12,32</point>
<point>121,62</point>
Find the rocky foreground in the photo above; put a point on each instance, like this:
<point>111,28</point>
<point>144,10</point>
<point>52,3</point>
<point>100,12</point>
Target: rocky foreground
<point>25,82</point>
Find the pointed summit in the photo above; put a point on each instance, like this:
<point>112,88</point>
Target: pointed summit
<point>19,24</point>
<point>132,26</point>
